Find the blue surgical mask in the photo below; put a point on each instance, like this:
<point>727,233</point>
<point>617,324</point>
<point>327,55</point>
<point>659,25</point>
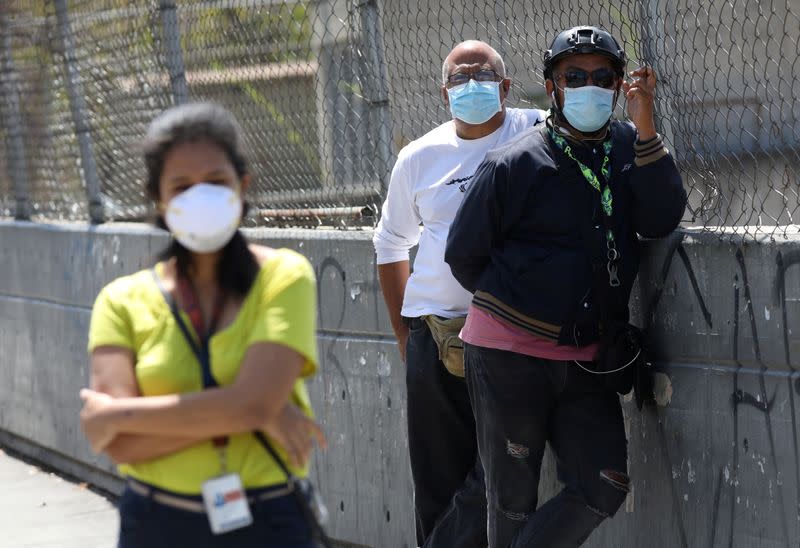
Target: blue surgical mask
<point>475,102</point>
<point>588,108</point>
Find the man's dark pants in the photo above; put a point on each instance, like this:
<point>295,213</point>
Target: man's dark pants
<point>521,402</point>
<point>449,493</point>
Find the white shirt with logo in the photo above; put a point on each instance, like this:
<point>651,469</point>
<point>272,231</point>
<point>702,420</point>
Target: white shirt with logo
<point>427,186</point>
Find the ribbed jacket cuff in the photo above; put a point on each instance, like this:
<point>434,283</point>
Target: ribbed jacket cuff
<point>649,151</point>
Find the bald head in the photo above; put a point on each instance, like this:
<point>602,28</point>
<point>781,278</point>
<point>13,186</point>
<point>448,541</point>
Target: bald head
<point>472,52</point>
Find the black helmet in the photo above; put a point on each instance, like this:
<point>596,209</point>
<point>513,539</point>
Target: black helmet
<point>584,40</point>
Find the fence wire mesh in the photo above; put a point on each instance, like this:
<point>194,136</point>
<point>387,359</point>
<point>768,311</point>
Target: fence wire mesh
<point>328,92</point>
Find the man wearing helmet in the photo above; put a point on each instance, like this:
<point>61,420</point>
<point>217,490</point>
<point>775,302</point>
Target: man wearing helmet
<point>546,240</point>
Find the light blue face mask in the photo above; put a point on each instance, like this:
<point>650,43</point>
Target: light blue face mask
<point>588,108</point>
<point>475,102</point>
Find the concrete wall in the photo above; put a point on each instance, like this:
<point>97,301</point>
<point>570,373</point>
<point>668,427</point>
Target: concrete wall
<point>716,463</point>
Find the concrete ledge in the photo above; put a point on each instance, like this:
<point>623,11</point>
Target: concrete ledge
<point>723,299</point>
<point>97,477</point>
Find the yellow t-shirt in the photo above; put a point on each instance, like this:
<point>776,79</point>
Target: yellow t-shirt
<point>280,307</point>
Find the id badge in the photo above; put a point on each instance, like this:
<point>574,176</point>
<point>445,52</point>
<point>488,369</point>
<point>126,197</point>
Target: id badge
<point>226,504</point>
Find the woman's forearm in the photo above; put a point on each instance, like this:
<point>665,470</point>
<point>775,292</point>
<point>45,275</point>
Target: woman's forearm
<point>261,389</point>
<point>212,412</point>
<point>135,448</point>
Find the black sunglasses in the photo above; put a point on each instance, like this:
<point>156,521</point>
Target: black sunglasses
<point>577,78</point>
<point>481,76</point>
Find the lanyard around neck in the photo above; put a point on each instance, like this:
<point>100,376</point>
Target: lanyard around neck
<point>201,351</point>
<point>192,309</point>
<point>606,199</point>
<point>591,177</point>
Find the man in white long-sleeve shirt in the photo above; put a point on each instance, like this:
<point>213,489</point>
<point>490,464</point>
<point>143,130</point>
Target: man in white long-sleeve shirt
<point>426,188</point>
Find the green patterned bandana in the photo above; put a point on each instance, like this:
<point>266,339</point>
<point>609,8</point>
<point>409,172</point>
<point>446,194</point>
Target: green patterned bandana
<point>606,201</point>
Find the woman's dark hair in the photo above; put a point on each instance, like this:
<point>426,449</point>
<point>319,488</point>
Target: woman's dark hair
<point>191,123</point>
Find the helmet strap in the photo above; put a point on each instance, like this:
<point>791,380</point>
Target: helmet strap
<point>556,106</point>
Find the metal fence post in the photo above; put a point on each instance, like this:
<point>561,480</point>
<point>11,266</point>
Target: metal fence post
<point>650,55</point>
<point>174,53</point>
<point>77,105</point>
<point>328,36</point>
<point>17,163</point>
<point>377,90</point>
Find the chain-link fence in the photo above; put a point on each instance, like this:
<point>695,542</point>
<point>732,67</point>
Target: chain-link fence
<point>329,91</point>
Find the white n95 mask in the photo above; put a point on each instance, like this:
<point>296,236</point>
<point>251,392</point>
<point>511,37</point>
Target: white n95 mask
<point>205,217</point>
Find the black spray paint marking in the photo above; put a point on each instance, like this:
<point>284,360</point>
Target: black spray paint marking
<point>763,388</point>
<point>762,403</point>
<point>693,279</point>
<point>677,247</point>
<point>792,258</point>
<point>662,281</point>
<point>676,504</point>
<point>783,263</point>
<point>745,398</point>
<point>735,471</point>
<point>715,515</point>
<point>654,302</point>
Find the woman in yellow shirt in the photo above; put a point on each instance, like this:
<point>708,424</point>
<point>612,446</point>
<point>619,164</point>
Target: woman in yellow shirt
<point>190,358</point>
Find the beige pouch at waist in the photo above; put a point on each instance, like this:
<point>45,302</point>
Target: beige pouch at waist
<point>451,348</point>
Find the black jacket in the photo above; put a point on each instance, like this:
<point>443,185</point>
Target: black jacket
<point>529,241</point>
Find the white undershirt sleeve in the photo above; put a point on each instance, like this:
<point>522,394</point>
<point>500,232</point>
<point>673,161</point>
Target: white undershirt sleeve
<point>398,230</point>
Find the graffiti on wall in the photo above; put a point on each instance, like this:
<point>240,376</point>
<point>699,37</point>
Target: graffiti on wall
<point>741,401</point>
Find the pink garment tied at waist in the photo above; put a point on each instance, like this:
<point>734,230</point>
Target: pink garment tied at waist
<point>484,329</point>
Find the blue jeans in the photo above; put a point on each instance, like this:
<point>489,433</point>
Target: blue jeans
<point>522,402</point>
<point>144,523</point>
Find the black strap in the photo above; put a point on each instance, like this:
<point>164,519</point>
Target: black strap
<point>202,357</point>
<point>209,381</point>
<point>305,505</point>
<point>201,351</point>
<point>271,450</point>
<point>192,307</point>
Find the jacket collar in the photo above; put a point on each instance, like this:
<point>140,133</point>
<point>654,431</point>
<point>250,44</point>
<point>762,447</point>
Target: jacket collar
<point>554,123</point>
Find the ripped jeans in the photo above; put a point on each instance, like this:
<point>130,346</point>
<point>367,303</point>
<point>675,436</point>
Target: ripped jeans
<point>520,403</point>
